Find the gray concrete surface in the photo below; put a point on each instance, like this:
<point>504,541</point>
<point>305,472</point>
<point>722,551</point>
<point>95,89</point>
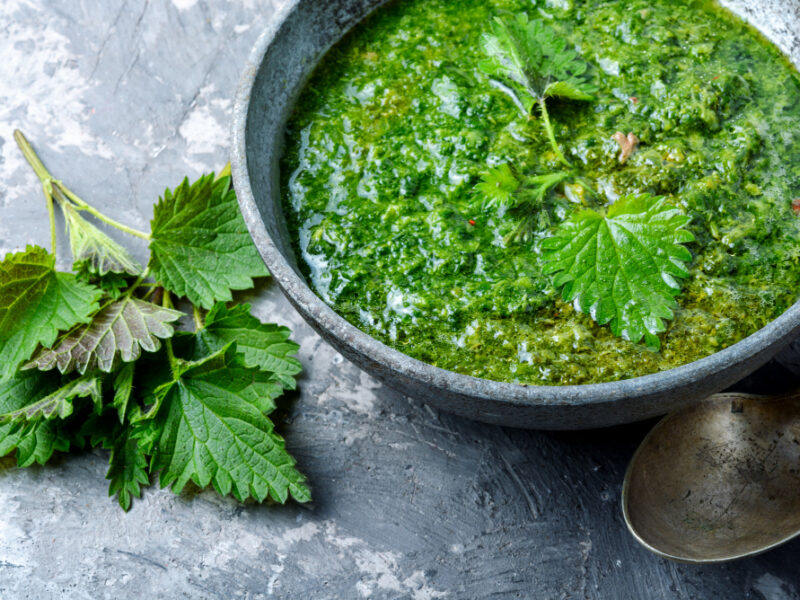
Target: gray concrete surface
<point>124,98</point>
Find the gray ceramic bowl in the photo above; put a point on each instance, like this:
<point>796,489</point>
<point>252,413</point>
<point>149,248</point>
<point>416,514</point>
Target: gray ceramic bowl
<point>277,69</point>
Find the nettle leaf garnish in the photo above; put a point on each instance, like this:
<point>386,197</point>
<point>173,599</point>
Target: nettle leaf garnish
<point>188,406</point>
<point>532,63</point>
<point>504,190</point>
<point>498,187</point>
<point>623,269</point>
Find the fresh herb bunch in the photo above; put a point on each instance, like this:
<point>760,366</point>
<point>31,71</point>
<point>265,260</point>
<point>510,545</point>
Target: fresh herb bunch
<point>622,266</point>
<point>92,358</point>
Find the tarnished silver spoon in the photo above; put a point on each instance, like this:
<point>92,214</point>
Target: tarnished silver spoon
<point>719,480</point>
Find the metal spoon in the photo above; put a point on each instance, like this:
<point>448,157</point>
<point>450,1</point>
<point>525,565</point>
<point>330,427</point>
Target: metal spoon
<point>719,480</point>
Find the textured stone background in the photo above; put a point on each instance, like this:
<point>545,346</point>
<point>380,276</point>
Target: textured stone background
<point>123,98</point>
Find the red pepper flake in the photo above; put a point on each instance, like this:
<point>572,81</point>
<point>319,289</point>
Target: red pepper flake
<point>634,99</point>
<point>796,205</point>
<point>471,222</point>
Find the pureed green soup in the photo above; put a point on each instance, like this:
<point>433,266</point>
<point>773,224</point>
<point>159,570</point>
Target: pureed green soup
<point>393,133</point>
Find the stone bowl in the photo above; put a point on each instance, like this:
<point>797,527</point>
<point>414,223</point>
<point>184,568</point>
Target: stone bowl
<point>277,69</point>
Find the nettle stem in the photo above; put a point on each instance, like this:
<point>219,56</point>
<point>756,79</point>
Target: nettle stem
<point>548,127</point>
<point>55,189</point>
<point>139,281</point>
<point>81,205</point>
<point>33,160</point>
<point>44,177</point>
<point>166,302</point>
<point>47,188</point>
<point>198,318</point>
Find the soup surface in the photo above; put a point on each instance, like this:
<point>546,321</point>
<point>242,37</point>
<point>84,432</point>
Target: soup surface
<point>398,124</point>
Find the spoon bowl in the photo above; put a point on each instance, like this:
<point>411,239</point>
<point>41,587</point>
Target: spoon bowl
<point>717,481</point>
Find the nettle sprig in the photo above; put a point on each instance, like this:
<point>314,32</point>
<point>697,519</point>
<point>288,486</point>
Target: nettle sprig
<point>535,64</point>
<point>93,358</point>
<point>622,265</point>
<point>531,63</point>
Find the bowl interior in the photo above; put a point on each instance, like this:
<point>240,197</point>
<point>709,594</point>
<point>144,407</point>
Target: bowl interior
<point>305,31</point>
<point>279,66</point>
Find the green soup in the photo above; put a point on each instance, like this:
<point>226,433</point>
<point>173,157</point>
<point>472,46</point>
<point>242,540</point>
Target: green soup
<point>398,123</point>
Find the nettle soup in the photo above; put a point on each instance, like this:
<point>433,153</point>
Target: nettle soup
<point>556,193</point>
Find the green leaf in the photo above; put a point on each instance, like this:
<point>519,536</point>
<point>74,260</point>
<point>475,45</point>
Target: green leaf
<point>113,285</point>
<point>127,469</point>
<point>265,346</point>
<point>36,302</point>
<point>146,431</point>
<point>123,388</point>
<point>93,250</point>
<point>533,61</point>
<point>99,429</point>
<point>569,90</point>
<point>200,247</point>
<point>194,347</point>
<point>498,187</point>
<point>211,429</point>
<point>531,200</point>
<point>120,330</point>
<point>37,441</point>
<point>623,269</point>
<point>534,191</point>
<point>24,278</point>
<point>57,403</point>
<point>503,189</point>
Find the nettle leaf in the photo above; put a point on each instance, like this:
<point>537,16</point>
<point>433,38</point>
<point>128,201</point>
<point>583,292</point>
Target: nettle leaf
<point>127,469</point>
<point>24,278</point>
<point>200,247</point>
<point>57,403</point>
<point>265,346</point>
<point>498,187</point>
<point>504,190</point>
<point>195,347</point>
<point>120,330</point>
<point>123,388</point>
<point>93,250</point>
<point>571,90</point>
<point>36,302</point>
<point>533,61</point>
<point>113,285</point>
<point>536,205</point>
<point>210,427</point>
<point>623,269</point>
<point>37,441</point>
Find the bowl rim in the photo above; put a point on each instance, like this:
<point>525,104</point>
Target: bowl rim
<point>323,318</point>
